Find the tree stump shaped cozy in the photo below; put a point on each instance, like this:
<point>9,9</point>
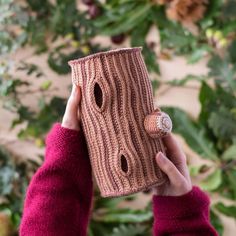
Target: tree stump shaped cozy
<point>122,129</point>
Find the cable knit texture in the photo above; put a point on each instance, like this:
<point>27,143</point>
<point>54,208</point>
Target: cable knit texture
<point>117,96</point>
<point>58,199</point>
<point>182,215</point>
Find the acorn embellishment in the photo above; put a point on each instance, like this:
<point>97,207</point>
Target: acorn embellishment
<point>158,124</point>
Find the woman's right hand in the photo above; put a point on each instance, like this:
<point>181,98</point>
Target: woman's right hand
<point>174,165</point>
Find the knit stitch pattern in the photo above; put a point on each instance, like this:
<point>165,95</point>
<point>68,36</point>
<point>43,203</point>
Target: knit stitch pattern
<point>116,97</point>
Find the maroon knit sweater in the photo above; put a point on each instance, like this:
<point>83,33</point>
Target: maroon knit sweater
<point>59,198</point>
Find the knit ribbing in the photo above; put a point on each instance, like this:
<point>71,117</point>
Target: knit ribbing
<point>116,98</point>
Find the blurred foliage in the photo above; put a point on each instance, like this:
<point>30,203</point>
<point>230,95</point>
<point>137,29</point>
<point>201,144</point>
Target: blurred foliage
<point>213,134</point>
<point>63,31</point>
<point>14,179</point>
<point>109,219</point>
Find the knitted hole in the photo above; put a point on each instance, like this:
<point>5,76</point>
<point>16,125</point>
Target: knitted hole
<point>124,164</point>
<point>98,95</point>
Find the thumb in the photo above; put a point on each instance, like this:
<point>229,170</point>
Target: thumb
<point>70,119</point>
<point>73,102</point>
<point>75,95</point>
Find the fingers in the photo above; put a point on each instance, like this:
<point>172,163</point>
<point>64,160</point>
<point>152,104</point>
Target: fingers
<point>176,154</point>
<point>173,148</point>
<point>169,169</point>
<point>70,119</point>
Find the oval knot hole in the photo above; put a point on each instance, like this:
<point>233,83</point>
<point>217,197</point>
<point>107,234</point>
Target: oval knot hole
<point>98,95</point>
<point>124,164</point>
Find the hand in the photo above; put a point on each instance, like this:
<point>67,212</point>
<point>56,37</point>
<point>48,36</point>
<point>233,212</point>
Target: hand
<point>71,118</point>
<point>175,167</point>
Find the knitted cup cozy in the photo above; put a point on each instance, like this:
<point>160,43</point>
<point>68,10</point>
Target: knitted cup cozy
<point>116,98</point>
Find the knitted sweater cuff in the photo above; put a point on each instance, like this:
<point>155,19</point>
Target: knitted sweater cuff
<point>66,150</point>
<point>65,143</point>
<point>171,207</point>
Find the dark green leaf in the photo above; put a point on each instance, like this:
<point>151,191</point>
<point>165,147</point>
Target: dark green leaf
<point>229,9</point>
<point>194,135</point>
<point>231,175</point>
<point>226,210</point>
<point>128,21</point>
<point>222,123</point>
<point>183,41</point>
<point>223,72</point>
<point>58,61</point>
<point>232,52</point>
<point>216,222</point>
<point>150,59</point>
<point>139,33</point>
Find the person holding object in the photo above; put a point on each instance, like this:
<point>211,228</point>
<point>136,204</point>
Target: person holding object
<point>59,198</point>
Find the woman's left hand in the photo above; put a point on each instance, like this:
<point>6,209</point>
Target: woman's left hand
<point>175,167</point>
<point>71,118</point>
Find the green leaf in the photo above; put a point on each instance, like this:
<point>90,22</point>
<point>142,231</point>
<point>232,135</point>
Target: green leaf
<point>30,69</point>
<point>46,85</point>
<point>6,179</point>
<point>150,59</point>
<point>194,135</point>
<point>223,72</point>
<point>216,222</point>
<point>99,229</point>
<point>128,21</point>
<point>213,9</point>
<point>58,61</point>
<point>186,79</point>
<point>222,123</point>
<point>129,230</point>
<point>113,13</point>
<point>230,153</point>
<point>226,210</point>
<point>229,9</point>
<point>138,34</point>
<point>124,216</point>
<point>216,106</point>
<point>196,170</point>
<point>155,85</point>
<point>183,41</point>
<point>198,53</point>
<point>231,175</point>
<point>232,51</point>
<point>213,181</point>
<point>111,203</point>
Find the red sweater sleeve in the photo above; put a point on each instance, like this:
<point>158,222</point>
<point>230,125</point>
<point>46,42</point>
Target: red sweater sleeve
<point>58,199</point>
<point>182,215</point>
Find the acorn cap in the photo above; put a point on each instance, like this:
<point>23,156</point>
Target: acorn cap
<point>158,124</point>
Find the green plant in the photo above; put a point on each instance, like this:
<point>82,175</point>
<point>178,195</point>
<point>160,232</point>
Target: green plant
<point>62,31</point>
<point>109,219</point>
<point>213,134</point>
<point>14,178</point>
<point>40,25</point>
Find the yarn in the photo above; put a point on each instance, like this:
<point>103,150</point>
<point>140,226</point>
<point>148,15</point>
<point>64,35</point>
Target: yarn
<point>116,97</point>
